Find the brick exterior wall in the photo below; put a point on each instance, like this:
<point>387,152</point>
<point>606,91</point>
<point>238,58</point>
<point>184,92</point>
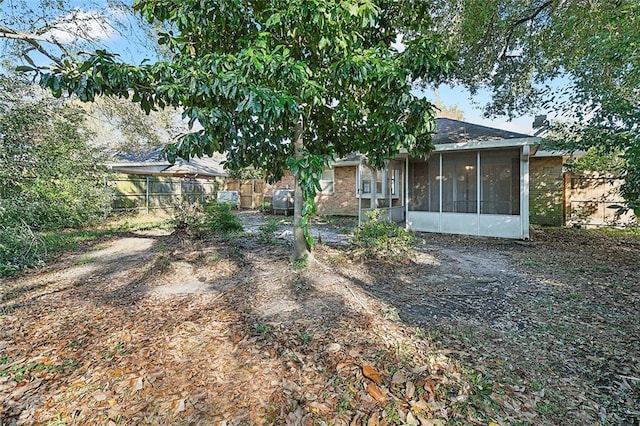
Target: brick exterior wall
<point>342,202</point>
<point>546,187</point>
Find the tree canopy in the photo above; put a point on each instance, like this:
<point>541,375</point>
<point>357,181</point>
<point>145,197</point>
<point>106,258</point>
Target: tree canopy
<point>577,60</point>
<point>251,73</point>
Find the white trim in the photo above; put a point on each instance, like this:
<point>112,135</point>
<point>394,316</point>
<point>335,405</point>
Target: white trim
<point>502,143</point>
<point>439,193</point>
<point>137,164</point>
<point>524,193</point>
<point>478,184</point>
<point>406,192</point>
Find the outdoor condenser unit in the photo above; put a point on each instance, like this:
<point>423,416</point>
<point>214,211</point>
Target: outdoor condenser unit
<point>282,200</point>
<point>229,197</point>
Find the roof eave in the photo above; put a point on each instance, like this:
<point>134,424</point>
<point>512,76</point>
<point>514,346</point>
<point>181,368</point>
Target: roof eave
<point>492,144</point>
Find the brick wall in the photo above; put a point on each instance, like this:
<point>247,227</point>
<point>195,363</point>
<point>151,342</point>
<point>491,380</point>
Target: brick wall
<point>342,202</point>
<point>546,186</point>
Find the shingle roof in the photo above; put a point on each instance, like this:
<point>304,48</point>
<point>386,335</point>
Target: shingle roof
<point>455,131</point>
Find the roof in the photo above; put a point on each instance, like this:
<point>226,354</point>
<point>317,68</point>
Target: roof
<point>151,164</point>
<point>197,167</point>
<point>449,131</point>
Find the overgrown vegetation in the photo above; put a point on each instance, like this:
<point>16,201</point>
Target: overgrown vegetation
<point>188,217</point>
<point>266,231</point>
<point>19,247</point>
<point>221,221</point>
<point>198,220</point>
<point>49,174</point>
<point>381,239</point>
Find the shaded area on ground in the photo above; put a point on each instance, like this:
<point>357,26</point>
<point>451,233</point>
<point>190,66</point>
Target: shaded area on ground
<point>156,328</point>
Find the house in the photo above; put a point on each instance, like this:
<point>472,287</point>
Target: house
<point>148,182</point>
<point>475,182</point>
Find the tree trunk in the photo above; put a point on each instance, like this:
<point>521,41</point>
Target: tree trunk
<point>301,249</point>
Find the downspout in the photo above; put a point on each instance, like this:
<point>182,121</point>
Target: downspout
<point>440,193</point>
<point>386,186</point>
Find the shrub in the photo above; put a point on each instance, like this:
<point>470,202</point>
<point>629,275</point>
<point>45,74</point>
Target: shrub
<point>189,217</point>
<point>48,169</point>
<point>382,240</point>
<point>267,230</point>
<point>20,248</point>
<point>220,220</point>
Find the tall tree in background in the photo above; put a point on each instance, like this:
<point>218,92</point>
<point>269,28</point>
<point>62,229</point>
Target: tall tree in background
<point>51,30</point>
<point>579,60</point>
<point>281,84</point>
<point>447,111</point>
<point>49,174</point>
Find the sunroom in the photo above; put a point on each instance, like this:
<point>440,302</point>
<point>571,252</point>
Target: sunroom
<point>476,182</point>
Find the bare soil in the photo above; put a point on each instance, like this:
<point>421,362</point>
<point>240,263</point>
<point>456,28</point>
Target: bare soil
<point>157,328</point>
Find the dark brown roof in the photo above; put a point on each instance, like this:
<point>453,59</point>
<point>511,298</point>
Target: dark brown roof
<point>455,131</point>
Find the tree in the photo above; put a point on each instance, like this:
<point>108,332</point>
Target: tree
<point>52,30</point>
<point>49,175</point>
<point>578,59</point>
<point>281,84</point>
<point>447,111</point>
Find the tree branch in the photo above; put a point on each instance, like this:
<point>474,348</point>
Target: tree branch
<point>32,39</point>
<point>530,17</point>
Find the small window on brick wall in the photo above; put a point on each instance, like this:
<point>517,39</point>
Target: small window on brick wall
<point>326,181</point>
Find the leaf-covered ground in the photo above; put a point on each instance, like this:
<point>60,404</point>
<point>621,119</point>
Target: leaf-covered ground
<point>150,328</point>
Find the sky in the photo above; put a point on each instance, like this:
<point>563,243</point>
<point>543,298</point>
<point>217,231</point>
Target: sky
<point>132,44</point>
<point>472,109</point>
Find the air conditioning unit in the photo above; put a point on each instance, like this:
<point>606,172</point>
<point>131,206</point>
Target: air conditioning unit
<point>229,197</point>
<point>282,201</point>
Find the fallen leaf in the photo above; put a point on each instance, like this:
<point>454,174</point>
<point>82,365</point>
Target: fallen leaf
<point>409,390</point>
<point>319,408</point>
<point>411,420</point>
<point>374,420</point>
<point>375,392</point>
<point>371,373</point>
<point>398,377</point>
<point>99,396</point>
<point>137,384</point>
<point>333,347</point>
<point>178,406</point>
<point>418,370</point>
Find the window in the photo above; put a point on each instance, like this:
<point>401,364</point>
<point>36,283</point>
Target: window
<point>499,182</point>
<point>366,177</point>
<point>326,181</point>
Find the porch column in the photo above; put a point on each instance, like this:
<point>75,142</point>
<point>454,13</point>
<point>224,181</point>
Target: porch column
<point>524,191</point>
<point>374,188</point>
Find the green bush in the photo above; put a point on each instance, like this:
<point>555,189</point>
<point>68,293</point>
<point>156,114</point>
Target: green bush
<point>20,248</point>
<point>382,240</point>
<point>267,230</point>
<point>49,176</point>
<point>189,217</point>
<point>220,220</point>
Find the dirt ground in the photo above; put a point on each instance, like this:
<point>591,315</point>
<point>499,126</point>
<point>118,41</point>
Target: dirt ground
<point>158,328</point>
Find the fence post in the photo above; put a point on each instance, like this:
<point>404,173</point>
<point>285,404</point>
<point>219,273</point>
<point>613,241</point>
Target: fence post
<point>147,194</point>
